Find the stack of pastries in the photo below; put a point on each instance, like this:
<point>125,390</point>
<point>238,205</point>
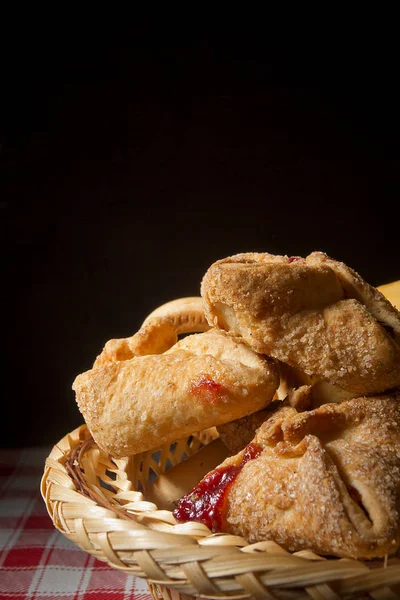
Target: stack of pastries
<point>296,361</point>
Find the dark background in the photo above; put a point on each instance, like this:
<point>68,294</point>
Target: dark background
<point>128,167</point>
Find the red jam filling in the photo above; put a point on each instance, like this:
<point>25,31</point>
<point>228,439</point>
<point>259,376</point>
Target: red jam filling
<point>206,502</point>
<point>207,390</point>
<point>294,259</point>
<point>250,452</point>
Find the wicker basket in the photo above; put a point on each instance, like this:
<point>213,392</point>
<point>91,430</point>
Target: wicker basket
<point>102,505</point>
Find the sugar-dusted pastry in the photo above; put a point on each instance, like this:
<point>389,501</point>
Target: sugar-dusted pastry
<point>204,380</point>
<point>159,331</point>
<point>313,313</point>
<point>327,480</point>
<point>187,314</point>
<point>296,389</point>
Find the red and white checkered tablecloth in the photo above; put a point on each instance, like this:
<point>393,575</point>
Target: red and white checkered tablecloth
<point>36,560</point>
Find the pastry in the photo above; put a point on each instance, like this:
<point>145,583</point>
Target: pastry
<point>159,331</point>
<point>135,404</point>
<point>296,389</point>
<point>187,314</point>
<point>314,314</point>
<point>296,362</point>
<point>326,480</point>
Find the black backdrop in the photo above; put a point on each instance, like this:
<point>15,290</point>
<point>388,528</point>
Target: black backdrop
<point>128,168</point>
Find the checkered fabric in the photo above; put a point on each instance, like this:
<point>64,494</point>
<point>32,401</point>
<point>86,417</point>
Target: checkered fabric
<point>36,561</point>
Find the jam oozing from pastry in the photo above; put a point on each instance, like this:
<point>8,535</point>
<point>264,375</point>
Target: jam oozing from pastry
<point>206,502</point>
<point>207,390</point>
<point>251,451</point>
<point>294,259</point>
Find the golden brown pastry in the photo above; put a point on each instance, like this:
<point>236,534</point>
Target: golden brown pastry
<point>159,331</point>
<point>327,480</point>
<point>296,389</point>
<point>187,314</point>
<point>143,402</point>
<point>313,313</point>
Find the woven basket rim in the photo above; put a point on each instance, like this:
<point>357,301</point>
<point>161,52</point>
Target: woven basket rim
<point>187,558</point>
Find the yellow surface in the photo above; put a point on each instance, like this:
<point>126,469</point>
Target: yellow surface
<point>392,292</point>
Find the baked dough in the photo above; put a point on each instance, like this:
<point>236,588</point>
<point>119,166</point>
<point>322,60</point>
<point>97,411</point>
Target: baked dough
<point>143,402</point>
<point>327,480</point>
<point>159,331</point>
<point>296,389</point>
<point>187,314</point>
<point>314,313</point>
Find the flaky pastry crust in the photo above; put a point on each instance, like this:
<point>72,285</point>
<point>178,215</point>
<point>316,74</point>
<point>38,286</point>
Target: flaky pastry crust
<point>326,480</point>
<point>159,331</point>
<point>143,402</point>
<point>314,313</point>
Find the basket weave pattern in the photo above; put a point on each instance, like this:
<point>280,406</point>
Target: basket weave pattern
<point>100,504</point>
